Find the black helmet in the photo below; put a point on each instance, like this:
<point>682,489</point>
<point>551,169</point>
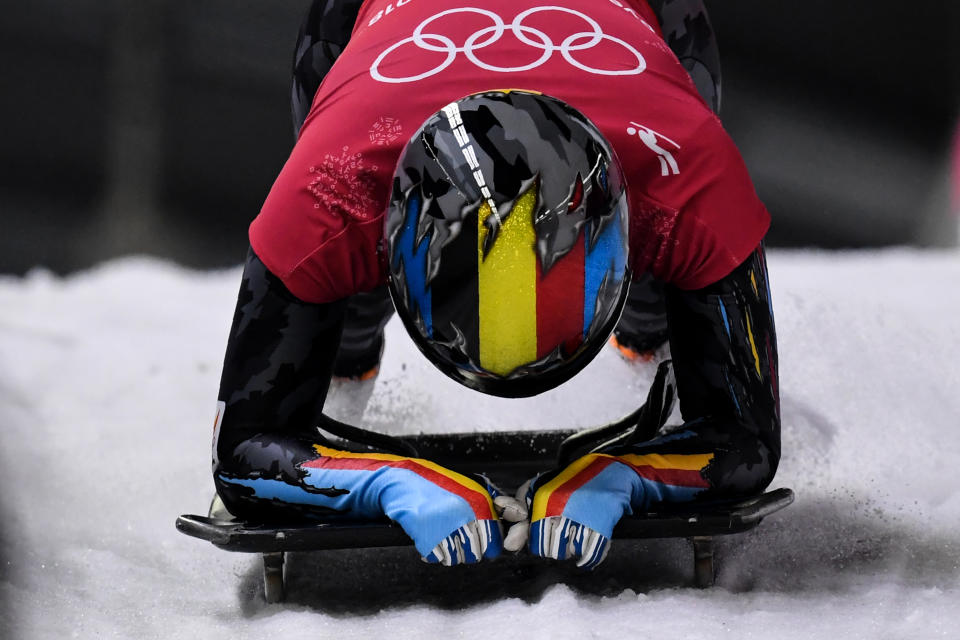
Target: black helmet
<point>507,241</point>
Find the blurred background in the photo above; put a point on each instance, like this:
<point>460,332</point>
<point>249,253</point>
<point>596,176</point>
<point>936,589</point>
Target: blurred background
<point>157,126</point>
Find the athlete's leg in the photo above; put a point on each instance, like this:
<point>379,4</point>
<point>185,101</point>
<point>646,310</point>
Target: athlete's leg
<point>362,342</point>
<point>643,325</point>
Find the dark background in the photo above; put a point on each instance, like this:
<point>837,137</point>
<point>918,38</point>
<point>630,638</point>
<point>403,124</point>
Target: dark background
<point>157,127</point>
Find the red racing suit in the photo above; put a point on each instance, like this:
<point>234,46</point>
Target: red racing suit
<point>694,212</point>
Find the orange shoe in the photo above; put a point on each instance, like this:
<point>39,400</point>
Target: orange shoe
<point>353,365</point>
<point>630,354</point>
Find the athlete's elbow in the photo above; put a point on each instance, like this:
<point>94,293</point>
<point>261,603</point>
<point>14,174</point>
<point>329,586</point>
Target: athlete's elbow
<point>746,467</point>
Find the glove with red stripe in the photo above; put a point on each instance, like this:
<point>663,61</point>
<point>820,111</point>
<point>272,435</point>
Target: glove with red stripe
<point>461,546</point>
<point>451,518</point>
<point>573,512</point>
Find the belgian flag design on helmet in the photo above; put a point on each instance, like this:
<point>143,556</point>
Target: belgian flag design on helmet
<point>507,241</point>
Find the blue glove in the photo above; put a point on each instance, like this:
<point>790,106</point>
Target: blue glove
<point>554,533</point>
<point>563,539</point>
<point>573,512</point>
<point>450,517</point>
<point>460,546</point>
<point>467,545</point>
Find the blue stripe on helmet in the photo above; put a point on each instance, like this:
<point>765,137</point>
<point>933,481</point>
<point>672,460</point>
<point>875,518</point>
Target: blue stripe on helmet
<point>606,258</point>
<point>414,258</point>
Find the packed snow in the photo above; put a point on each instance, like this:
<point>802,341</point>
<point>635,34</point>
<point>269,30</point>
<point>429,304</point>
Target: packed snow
<point>108,381</point>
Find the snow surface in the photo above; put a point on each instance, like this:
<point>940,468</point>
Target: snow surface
<point>108,380</point>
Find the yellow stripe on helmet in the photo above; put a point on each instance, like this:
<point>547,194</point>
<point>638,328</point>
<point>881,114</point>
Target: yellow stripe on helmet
<point>508,289</point>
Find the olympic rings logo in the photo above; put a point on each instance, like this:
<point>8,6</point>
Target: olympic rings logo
<point>482,38</point>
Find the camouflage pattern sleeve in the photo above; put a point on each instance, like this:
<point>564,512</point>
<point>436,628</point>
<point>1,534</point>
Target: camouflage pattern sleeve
<point>271,463</point>
<point>724,347</point>
<point>689,34</point>
<point>276,371</point>
<point>323,35</point>
<point>724,350</point>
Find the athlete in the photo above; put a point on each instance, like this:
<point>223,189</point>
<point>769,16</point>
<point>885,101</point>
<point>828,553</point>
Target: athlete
<point>521,180</point>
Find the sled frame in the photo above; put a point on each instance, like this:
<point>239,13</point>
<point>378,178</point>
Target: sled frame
<point>509,459</point>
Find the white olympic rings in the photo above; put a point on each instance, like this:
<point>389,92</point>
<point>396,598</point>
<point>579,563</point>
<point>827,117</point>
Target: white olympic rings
<point>489,35</point>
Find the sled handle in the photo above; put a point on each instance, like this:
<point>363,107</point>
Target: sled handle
<point>640,426</point>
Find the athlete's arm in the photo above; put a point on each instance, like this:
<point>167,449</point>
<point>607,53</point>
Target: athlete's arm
<point>687,31</point>
<point>276,371</point>
<point>724,349</point>
<point>323,35</point>
<point>271,463</point>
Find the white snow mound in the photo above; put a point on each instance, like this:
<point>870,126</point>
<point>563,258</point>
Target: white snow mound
<point>108,380</point>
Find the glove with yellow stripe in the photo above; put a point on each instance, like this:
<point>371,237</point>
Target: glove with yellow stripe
<point>451,518</point>
<point>573,511</point>
<point>460,546</point>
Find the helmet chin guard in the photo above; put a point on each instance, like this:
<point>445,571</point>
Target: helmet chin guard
<point>507,241</point>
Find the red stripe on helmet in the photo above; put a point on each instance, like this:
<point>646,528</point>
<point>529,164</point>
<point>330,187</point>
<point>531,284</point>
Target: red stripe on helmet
<point>560,302</point>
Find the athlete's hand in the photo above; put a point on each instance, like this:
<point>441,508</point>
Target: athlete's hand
<point>554,537</point>
<point>450,517</point>
<point>565,539</point>
<point>467,545</point>
<point>473,541</point>
<point>573,511</point>
<point>517,511</point>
